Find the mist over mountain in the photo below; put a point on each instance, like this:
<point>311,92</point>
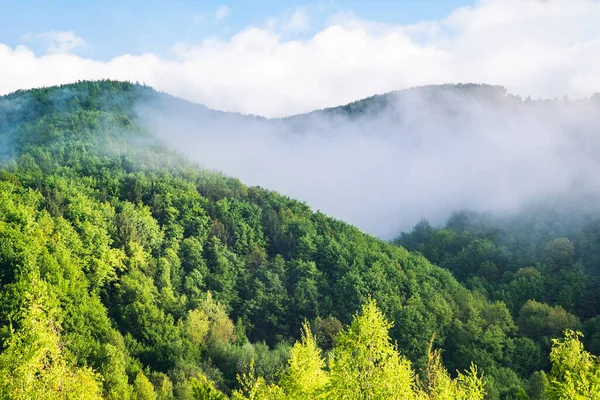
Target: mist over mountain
<point>128,272</point>
<point>384,162</point>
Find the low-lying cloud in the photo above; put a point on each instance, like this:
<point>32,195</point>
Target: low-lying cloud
<point>421,153</point>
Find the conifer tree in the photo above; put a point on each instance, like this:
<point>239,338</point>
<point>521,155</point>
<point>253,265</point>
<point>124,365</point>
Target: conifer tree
<point>366,365</point>
<point>305,377</point>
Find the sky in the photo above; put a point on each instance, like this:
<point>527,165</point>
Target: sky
<point>277,58</point>
<point>112,28</point>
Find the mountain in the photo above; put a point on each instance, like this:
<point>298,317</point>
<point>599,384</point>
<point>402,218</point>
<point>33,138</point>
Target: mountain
<point>437,96</point>
<point>127,271</point>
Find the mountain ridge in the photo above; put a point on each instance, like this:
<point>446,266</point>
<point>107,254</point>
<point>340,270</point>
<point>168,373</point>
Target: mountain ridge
<point>359,105</point>
<point>157,270</point>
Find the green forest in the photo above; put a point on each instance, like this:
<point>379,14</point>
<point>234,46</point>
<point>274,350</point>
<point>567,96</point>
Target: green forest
<point>128,272</point>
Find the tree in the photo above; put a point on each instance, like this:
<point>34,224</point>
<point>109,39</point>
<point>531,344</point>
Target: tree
<point>204,389</point>
<point>305,377</point>
<point>256,388</point>
<point>326,331</point>
<point>143,389</point>
<point>537,320</point>
<point>365,364</point>
<point>559,253</point>
<point>221,328</point>
<point>438,385</point>
<point>575,373</point>
<point>34,364</point>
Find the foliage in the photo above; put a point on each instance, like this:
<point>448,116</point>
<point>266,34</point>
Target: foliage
<point>365,365</point>
<point>305,377</point>
<point>34,364</point>
<point>437,383</point>
<point>123,267</point>
<point>541,262</point>
<point>575,373</point>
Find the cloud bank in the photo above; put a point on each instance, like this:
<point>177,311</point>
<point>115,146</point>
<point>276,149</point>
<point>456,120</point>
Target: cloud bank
<point>421,153</point>
<point>532,47</point>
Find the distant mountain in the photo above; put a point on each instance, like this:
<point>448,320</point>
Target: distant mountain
<point>436,95</point>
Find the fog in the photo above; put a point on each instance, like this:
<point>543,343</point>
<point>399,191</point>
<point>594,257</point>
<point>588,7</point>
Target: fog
<point>419,153</point>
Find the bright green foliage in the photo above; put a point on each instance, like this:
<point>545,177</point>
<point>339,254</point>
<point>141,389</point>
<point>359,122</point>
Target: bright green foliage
<point>196,328</point>
<point>147,259</point>
<point>575,373</point>
<point>256,388</point>
<point>438,385</point>
<point>113,369</point>
<point>220,328</point>
<point>34,364</point>
<point>203,389</point>
<point>162,386</point>
<point>365,364</point>
<point>143,389</point>
<point>305,377</point>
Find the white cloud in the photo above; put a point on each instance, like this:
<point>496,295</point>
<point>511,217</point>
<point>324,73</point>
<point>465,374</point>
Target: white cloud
<point>543,49</point>
<point>298,22</point>
<point>55,41</point>
<point>222,12</point>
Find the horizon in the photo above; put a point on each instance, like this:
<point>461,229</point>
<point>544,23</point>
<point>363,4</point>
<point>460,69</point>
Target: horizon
<point>280,59</point>
<point>441,85</point>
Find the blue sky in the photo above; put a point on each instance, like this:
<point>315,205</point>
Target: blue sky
<point>276,58</point>
<point>111,28</point>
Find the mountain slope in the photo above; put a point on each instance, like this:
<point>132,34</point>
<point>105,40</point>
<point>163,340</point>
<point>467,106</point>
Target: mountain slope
<point>155,270</point>
<point>436,96</point>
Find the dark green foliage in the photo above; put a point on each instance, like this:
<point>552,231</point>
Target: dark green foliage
<point>150,259</point>
<point>542,263</point>
<point>437,96</point>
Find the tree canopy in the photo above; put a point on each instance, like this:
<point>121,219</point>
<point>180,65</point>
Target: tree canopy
<point>127,272</point>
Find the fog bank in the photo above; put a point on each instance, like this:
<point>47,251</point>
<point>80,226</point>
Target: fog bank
<point>384,163</point>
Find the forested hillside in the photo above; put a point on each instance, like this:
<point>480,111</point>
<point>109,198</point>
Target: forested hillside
<point>127,272</point>
<point>543,263</point>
